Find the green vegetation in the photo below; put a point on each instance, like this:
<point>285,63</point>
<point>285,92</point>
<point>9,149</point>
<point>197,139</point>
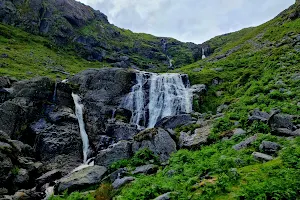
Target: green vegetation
<point>30,56</point>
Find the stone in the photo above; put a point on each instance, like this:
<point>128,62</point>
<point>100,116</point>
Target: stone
<point>166,196</point>
<point>60,114</point>
<point>48,177</point>
<point>193,141</point>
<point>21,179</point>
<point>222,108</point>
<point>118,174</point>
<point>4,82</point>
<point>281,121</point>
<point>239,131</point>
<point>119,151</point>
<point>81,179</point>
<point>257,115</point>
<point>146,169</point>
<point>156,140</point>
<point>121,131</point>
<point>172,122</point>
<point>245,143</point>
<point>261,156</point>
<point>121,182</point>
<point>269,147</point>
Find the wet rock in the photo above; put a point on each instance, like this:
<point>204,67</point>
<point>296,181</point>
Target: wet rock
<point>48,177</point>
<point>81,179</point>
<point>156,140</point>
<point>121,131</point>
<point>261,156</point>
<point>115,152</point>
<point>146,169</point>
<point>60,114</point>
<point>269,147</point>
<point>104,142</point>
<point>245,143</point>
<point>172,122</point>
<point>121,182</point>
<point>192,141</point>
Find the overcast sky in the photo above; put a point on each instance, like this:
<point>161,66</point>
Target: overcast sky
<point>188,20</point>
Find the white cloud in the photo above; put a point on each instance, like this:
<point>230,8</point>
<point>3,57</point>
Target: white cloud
<point>188,20</point>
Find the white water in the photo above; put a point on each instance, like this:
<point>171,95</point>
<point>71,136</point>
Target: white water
<point>84,136</point>
<point>203,54</point>
<point>156,96</point>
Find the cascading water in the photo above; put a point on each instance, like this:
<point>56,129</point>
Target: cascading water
<point>84,136</point>
<point>203,54</point>
<point>156,96</point>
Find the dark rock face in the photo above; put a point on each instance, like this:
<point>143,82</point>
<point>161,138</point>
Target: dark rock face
<point>81,179</point>
<point>102,92</point>
<point>157,140</point>
<point>48,177</point>
<point>25,105</point>
<point>174,121</point>
<point>257,115</point>
<point>119,151</point>
<point>121,131</point>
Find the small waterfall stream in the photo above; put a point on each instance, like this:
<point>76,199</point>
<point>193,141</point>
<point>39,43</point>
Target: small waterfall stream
<point>155,96</point>
<point>203,54</point>
<point>84,136</point>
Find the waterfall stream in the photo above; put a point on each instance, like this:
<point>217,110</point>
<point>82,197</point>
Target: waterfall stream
<point>155,96</point>
<point>203,54</point>
<point>84,136</point>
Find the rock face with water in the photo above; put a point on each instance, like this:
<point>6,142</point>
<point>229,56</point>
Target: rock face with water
<point>155,96</point>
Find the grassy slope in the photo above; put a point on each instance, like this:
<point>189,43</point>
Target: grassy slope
<point>30,56</point>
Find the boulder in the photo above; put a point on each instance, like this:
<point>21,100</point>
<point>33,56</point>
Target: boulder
<point>6,165</point>
<point>192,141</point>
<point>81,179</point>
<point>157,140</point>
<point>29,194</point>
<point>21,179</point>
<point>269,147</point>
<point>257,115</point>
<point>4,82</point>
<point>121,182</point>
<point>262,156</point>
<point>166,196</point>
<point>118,174</point>
<point>119,151</point>
<point>48,177</point>
<point>239,131</point>
<point>121,131</point>
<point>172,122</point>
<point>146,169</point>
<point>281,121</point>
<point>103,142</point>
<point>60,114</point>
<point>245,143</point>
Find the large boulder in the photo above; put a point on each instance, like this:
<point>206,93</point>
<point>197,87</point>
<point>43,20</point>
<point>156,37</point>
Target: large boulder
<point>121,131</point>
<point>245,143</point>
<point>81,179</point>
<point>258,115</point>
<point>146,169</point>
<point>157,140</point>
<point>119,151</point>
<point>191,141</point>
<point>269,147</point>
<point>121,182</point>
<point>262,156</point>
<point>172,122</point>
<point>48,177</point>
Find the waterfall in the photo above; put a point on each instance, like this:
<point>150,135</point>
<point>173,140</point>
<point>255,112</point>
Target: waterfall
<point>170,62</point>
<point>84,136</point>
<point>203,54</point>
<point>155,96</point>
